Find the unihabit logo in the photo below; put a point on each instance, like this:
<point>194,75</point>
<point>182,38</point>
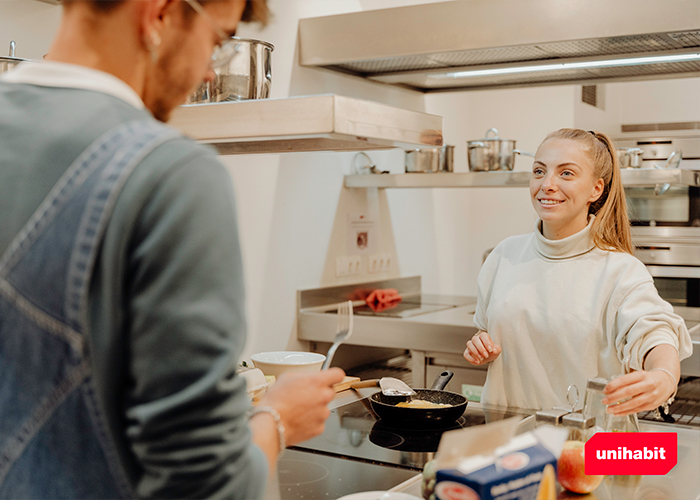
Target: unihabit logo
<point>624,453</point>
<point>631,453</point>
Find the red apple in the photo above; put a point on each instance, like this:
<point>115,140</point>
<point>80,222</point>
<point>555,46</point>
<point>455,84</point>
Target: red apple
<point>570,469</point>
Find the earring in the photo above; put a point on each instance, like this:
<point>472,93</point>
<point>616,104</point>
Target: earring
<point>153,44</point>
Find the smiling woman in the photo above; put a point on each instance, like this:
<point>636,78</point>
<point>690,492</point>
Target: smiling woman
<point>569,302</point>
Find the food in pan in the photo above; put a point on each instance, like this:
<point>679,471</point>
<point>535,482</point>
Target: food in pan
<point>421,403</point>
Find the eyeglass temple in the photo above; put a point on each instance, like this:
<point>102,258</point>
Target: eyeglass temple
<point>200,10</point>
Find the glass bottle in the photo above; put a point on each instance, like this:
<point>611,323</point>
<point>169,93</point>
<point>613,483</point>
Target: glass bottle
<point>593,406</point>
<point>627,423</point>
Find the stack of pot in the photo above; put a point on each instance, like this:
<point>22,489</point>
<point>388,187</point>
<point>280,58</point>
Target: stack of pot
<point>492,153</point>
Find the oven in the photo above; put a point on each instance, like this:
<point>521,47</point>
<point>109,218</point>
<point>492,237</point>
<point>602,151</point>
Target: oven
<point>672,256</point>
<point>672,206</point>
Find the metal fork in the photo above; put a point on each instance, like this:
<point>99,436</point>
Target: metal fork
<point>343,331</point>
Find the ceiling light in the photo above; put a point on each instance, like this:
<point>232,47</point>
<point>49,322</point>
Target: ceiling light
<point>633,61</point>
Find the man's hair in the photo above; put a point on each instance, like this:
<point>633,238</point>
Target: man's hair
<point>256,11</point>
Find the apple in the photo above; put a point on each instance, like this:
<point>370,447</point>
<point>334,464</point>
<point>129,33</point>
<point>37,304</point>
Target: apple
<point>570,469</point>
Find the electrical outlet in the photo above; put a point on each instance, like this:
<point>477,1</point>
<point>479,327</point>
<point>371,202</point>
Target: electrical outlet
<point>347,265</point>
<point>354,263</point>
<point>373,264</point>
<point>385,262</point>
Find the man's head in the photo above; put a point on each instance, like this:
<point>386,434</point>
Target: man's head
<point>256,11</point>
<point>161,48</point>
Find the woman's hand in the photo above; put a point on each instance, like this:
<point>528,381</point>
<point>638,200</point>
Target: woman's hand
<point>481,349</point>
<point>638,391</point>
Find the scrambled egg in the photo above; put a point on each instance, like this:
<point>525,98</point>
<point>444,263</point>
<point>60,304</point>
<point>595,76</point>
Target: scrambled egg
<point>421,403</point>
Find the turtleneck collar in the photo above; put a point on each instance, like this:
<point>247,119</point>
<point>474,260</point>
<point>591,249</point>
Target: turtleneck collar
<point>565,248</point>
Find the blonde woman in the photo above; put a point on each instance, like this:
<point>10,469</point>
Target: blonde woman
<point>569,301</point>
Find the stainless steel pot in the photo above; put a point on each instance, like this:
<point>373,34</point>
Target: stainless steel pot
<point>630,157</point>
<point>248,75</point>
<point>8,63</point>
<point>492,153</point>
<point>430,159</point>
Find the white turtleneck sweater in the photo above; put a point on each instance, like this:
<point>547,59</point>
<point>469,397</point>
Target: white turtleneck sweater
<point>565,311</point>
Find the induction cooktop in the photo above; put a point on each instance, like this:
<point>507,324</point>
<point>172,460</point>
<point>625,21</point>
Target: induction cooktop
<point>353,431</point>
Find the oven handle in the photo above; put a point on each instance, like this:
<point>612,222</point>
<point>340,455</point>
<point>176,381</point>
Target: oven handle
<point>674,272</point>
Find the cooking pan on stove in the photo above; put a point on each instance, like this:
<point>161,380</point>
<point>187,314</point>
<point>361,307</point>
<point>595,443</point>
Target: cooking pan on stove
<point>385,406</point>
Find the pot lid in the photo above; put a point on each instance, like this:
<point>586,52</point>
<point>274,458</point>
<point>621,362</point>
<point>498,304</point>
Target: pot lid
<point>495,137</point>
<point>11,58</point>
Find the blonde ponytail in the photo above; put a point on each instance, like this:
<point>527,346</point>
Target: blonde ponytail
<point>611,227</point>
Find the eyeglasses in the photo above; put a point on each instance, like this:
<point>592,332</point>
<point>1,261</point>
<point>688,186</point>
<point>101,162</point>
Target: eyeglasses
<point>223,53</point>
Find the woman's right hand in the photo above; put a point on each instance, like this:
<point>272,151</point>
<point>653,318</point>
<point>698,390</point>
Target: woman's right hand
<point>481,349</point>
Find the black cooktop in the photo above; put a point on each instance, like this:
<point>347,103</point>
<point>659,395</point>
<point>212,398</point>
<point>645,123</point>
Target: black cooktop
<point>353,431</point>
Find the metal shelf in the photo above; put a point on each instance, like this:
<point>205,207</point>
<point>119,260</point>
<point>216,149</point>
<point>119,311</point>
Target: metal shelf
<point>630,178</point>
<point>308,123</point>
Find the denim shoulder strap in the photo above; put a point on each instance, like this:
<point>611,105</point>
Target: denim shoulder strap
<point>50,425</point>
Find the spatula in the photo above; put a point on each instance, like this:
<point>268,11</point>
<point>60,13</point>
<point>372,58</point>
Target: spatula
<point>395,387</point>
<point>390,386</point>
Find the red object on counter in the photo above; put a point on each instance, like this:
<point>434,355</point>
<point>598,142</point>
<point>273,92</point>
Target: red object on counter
<point>382,299</point>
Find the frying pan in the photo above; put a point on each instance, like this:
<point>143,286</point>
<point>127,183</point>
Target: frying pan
<point>385,406</point>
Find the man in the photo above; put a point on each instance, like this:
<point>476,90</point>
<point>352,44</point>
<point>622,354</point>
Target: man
<point>121,298</point>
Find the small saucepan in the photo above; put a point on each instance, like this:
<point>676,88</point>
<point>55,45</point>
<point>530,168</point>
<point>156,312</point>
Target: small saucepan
<point>439,159</point>
<point>385,406</point>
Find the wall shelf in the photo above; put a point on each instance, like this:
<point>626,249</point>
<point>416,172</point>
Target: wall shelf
<point>630,178</point>
<point>307,123</point>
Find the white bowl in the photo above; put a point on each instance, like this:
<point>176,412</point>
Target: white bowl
<point>277,362</point>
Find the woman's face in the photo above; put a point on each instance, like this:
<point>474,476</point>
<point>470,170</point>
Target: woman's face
<point>562,187</point>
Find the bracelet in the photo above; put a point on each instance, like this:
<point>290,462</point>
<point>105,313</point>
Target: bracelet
<point>275,416</point>
<point>668,402</point>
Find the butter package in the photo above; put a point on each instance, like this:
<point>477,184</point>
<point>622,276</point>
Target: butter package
<point>491,463</point>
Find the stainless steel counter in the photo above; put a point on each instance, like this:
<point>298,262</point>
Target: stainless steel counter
<point>682,483</point>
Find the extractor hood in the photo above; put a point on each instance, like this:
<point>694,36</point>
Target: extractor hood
<point>324,122</point>
<point>457,45</point>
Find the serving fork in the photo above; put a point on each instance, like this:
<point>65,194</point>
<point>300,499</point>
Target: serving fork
<point>343,331</point>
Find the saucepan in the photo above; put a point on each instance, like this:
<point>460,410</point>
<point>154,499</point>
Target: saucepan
<point>492,153</point>
<point>8,63</point>
<point>430,159</point>
<point>248,75</point>
<point>385,406</point>
<point>630,157</point>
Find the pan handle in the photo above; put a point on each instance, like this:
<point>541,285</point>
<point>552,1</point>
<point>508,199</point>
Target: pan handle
<point>442,380</point>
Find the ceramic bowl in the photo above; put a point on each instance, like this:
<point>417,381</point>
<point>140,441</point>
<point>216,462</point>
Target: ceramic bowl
<point>277,362</point>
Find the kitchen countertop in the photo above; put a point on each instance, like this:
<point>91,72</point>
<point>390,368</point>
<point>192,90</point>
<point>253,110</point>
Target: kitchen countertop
<point>681,483</point>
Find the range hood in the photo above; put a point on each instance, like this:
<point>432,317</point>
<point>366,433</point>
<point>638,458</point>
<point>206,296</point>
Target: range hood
<point>455,45</point>
<point>309,123</point>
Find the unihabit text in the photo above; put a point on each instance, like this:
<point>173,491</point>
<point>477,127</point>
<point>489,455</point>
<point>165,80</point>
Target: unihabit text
<point>624,453</point>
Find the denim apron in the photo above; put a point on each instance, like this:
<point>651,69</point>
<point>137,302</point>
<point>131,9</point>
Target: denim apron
<point>54,441</point>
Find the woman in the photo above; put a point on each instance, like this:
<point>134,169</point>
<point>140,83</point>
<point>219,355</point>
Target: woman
<point>569,302</point>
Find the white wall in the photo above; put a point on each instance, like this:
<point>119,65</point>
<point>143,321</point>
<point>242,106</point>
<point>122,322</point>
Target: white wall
<point>287,203</point>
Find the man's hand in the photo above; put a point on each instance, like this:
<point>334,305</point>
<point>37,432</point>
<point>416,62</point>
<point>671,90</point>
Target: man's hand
<point>481,349</point>
<point>302,402</point>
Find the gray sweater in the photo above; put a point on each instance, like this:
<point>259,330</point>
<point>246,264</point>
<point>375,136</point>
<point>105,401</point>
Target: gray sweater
<point>166,298</point>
